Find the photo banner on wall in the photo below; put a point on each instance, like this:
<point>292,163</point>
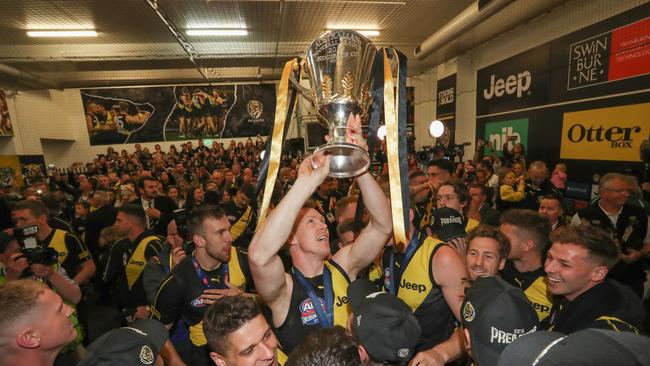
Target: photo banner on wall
<point>585,97</point>
<point>172,113</point>
<point>446,109</point>
<point>6,129</point>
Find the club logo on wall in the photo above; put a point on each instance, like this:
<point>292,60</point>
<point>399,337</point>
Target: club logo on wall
<point>149,114</point>
<point>613,133</point>
<point>621,53</point>
<point>255,109</point>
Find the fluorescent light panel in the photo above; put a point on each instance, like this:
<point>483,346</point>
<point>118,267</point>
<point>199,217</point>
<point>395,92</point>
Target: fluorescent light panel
<point>216,32</point>
<point>63,33</point>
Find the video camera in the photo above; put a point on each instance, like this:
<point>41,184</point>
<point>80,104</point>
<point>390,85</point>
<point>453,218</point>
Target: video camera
<point>439,151</point>
<point>34,253</point>
<point>181,217</point>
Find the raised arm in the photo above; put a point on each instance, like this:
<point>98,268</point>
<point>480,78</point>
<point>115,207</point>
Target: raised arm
<point>374,236</point>
<point>266,266</point>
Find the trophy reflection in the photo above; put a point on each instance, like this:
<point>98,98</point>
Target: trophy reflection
<point>340,66</point>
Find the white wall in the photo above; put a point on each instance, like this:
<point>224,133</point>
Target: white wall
<point>563,20</point>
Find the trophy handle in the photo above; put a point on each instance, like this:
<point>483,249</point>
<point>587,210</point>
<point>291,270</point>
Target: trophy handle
<point>306,93</point>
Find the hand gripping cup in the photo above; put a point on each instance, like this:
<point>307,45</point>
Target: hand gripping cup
<point>340,66</point>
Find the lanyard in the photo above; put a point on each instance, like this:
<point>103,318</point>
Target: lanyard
<point>325,318</point>
<point>394,276</point>
<point>203,275</point>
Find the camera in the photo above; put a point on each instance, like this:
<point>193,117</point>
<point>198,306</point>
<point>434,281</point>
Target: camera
<point>34,253</point>
<point>181,216</point>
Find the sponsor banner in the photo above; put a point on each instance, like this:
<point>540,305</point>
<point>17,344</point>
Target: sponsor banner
<point>614,55</point>
<point>613,133</point>
<point>6,129</point>
<point>170,113</point>
<point>511,131</point>
<point>518,82</point>
<point>446,96</point>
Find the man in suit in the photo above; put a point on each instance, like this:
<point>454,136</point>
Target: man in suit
<point>480,203</point>
<point>159,209</point>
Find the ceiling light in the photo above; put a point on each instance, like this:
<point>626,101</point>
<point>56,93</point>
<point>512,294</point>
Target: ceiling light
<point>436,128</point>
<point>216,32</point>
<point>63,33</point>
<point>381,132</point>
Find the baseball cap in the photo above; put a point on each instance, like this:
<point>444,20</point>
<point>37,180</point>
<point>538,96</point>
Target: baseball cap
<point>137,344</point>
<point>585,347</point>
<point>447,224</point>
<point>384,324</point>
<point>495,313</point>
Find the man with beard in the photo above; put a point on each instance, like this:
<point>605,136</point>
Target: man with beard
<point>487,251</point>
<point>215,269</point>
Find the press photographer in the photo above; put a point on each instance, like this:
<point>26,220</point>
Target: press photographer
<point>36,263</point>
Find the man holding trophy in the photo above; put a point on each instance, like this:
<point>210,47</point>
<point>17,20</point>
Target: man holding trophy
<point>314,293</point>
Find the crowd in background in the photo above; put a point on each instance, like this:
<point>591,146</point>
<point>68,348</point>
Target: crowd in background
<point>129,197</point>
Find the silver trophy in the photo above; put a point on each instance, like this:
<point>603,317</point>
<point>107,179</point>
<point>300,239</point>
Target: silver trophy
<point>339,65</point>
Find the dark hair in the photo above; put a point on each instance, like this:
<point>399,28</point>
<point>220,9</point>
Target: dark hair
<point>326,347</point>
<point>85,204</point>
<point>225,316</point>
<point>530,224</point>
<point>460,189</point>
<point>444,164</point>
<point>596,240</point>
<point>415,174</point>
<point>143,179</point>
<point>486,231</point>
<point>248,190</point>
<point>36,208</point>
<point>200,214</point>
<point>345,226</point>
<point>134,211</point>
<point>485,191</point>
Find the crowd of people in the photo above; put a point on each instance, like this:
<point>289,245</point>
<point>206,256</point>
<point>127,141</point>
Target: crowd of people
<point>495,269</point>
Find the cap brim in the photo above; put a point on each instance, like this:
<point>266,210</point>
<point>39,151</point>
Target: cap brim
<point>358,290</point>
<point>525,349</point>
<point>157,334</point>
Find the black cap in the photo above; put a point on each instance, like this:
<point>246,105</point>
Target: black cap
<point>384,324</point>
<point>585,347</point>
<point>137,344</point>
<point>447,224</point>
<point>495,313</point>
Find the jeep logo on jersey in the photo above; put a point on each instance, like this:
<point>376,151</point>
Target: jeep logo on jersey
<point>512,84</point>
<point>413,286</point>
<point>255,108</point>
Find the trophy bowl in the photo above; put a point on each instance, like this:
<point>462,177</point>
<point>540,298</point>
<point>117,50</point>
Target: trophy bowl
<point>340,69</point>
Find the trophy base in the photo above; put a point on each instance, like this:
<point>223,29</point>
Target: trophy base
<point>348,160</point>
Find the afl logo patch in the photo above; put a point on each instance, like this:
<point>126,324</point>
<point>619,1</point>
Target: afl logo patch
<point>197,303</point>
<point>308,313</point>
<point>146,355</point>
<point>468,312</point>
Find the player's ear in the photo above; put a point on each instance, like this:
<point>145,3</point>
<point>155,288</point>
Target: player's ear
<point>198,240</point>
<point>217,359</point>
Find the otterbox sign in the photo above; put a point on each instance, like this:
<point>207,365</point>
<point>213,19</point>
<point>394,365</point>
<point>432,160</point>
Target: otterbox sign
<point>612,133</point>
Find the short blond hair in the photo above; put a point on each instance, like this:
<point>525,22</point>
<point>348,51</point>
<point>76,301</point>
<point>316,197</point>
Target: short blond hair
<point>17,299</point>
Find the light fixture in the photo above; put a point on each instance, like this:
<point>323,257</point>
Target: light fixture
<point>62,33</point>
<point>436,129</point>
<point>381,132</point>
<point>262,154</point>
<point>216,32</point>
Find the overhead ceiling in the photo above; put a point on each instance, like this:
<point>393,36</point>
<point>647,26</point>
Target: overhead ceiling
<point>134,46</point>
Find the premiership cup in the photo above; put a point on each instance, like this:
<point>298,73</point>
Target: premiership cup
<point>340,66</point>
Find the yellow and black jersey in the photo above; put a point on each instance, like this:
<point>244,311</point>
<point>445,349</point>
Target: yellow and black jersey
<point>535,287</point>
<point>125,264</point>
<point>179,295</point>
<point>301,318</point>
<point>242,223</point>
<point>422,213</point>
<point>608,305</point>
<point>72,252</point>
<point>471,224</point>
<point>419,291</point>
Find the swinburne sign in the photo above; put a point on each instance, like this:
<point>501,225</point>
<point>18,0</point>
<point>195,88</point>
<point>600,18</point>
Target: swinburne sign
<point>612,133</point>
